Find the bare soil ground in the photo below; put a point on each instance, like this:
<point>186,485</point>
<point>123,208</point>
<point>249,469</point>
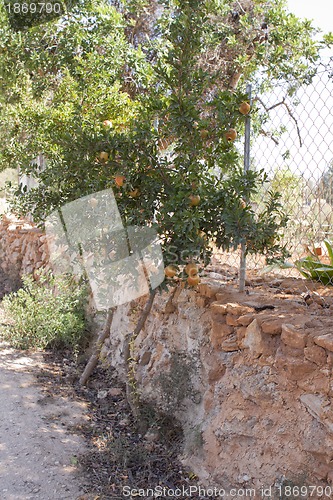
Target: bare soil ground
<point>59,441</point>
<point>120,450</point>
<point>38,456</point>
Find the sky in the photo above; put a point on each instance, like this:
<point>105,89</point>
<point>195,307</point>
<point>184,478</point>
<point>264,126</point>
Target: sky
<point>320,147</point>
<point>318,10</point>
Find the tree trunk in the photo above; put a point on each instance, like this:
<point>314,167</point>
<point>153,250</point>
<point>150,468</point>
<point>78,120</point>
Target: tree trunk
<point>91,365</point>
<point>131,394</point>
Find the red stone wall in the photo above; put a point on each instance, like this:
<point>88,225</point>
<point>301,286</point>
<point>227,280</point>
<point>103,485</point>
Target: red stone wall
<point>23,249</point>
<point>247,375</point>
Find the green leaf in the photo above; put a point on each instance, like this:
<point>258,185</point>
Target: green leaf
<point>329,250</point>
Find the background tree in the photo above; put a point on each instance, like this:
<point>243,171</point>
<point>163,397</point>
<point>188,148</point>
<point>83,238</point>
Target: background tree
<point>325,185</point>
<point>291,186</point>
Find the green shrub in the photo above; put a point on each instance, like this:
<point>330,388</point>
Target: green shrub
<point>46,313</point>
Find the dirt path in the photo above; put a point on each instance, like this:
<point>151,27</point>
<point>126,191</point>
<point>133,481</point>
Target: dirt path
<point>37,452</point>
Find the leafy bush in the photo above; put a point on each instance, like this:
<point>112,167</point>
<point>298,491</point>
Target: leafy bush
<point>46,313</point>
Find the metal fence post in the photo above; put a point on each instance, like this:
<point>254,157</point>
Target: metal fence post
<point>242,264</point>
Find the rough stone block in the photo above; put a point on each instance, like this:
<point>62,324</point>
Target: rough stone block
<point>319,382</point>
<point>218,332</point>
<point>293,337</point>
<point>320,408</point>
<point>231,320</point>
<point>208,290</point>
<point>325,341</point>
<point>316,354</point>
<point>230,344</point>
<point>294,368</point>
<point>291,352</point>
<point>238,309</point>
<point>217,308</point>
<point>215,369</point>
<point>298,369</point>
<point>272,326</point>
<point>253,340</point>
<point>201,301</point>
<point>246,319</point>
<point>240,332</point>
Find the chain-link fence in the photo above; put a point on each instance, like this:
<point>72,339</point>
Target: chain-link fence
<point>295,148</point>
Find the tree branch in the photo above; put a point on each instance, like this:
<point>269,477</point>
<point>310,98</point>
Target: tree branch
<point>270,136</point>
<point>296,123</point>
<point>282,103</point>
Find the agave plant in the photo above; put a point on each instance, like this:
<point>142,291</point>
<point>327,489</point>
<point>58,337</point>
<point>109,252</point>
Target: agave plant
<point>312,268</point>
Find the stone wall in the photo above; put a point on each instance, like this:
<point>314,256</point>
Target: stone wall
<point>23,249</point>
<point>247,375</point>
